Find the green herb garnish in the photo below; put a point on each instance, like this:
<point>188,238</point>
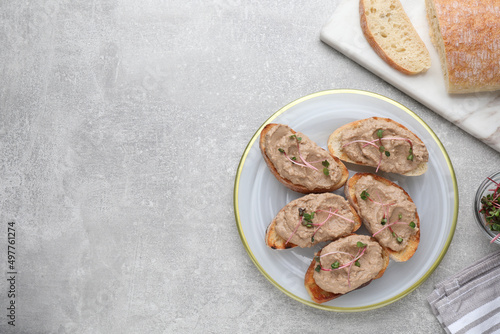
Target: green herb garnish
<point>364,195</point>
<point>326,164</point>
<point>359,244</point>
<point>308,216</point>
<point>410,153</point>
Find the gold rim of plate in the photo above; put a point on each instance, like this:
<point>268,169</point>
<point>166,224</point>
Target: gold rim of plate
<point>328,307</point>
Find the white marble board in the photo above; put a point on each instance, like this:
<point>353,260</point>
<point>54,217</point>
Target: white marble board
<point>476,113</point>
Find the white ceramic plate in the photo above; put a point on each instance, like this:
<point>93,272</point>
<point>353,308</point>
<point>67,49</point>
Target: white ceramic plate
<point>258,197</point>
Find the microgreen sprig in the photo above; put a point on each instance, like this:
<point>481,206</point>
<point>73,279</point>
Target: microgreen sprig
<point>397,222</point>
<point>325,164</point>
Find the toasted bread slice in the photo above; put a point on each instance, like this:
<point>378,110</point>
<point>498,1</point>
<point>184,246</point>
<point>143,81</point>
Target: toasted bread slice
<point>318,295</point>
<point>275,241</point>
<point>414,240</point>
<point>392,36</point>
<point>336,147</point>
<point>298,186</point>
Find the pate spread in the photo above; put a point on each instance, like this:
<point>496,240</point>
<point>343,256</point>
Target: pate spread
<point>377,201</point>
<point>281,146</point>
<point>344,250</point>
<point>291,224</point>
<point>398,159</point>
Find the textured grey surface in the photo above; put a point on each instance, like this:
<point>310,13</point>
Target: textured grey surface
<point>121,128</point>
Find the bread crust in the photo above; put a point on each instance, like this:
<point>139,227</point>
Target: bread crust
<point>335,144</point>
<point>275,241</point>
<point>413,242</point>
<point>289,184</point>
<point>318,295</point>
<point>384,52</point>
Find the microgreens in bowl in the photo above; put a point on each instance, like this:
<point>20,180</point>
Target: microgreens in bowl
<point>487,207</point>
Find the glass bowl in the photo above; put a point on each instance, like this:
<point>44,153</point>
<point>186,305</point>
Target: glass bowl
<point>486,187</point>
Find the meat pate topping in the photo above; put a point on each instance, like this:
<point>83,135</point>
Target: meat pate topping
<point>293,155</point>
<point>385,145</point>
<point>348,263</point>
<point>315,218</point>
<point>388,214</point>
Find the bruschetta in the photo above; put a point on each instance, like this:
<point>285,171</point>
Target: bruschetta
<point>311,219</point>
<point>388,213</point>
<point>381,143</point>
<point>298,162</point>
<point>344,265</point>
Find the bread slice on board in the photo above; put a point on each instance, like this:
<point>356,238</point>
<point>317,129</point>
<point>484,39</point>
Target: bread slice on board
<point>392,36</point>
<point>413,242</point>
<point>466,34</point>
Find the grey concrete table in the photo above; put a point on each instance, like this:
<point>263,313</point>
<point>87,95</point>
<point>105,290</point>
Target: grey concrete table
<point>121,128</point>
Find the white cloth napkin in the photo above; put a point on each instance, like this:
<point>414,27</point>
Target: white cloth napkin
<point>469,302</point>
